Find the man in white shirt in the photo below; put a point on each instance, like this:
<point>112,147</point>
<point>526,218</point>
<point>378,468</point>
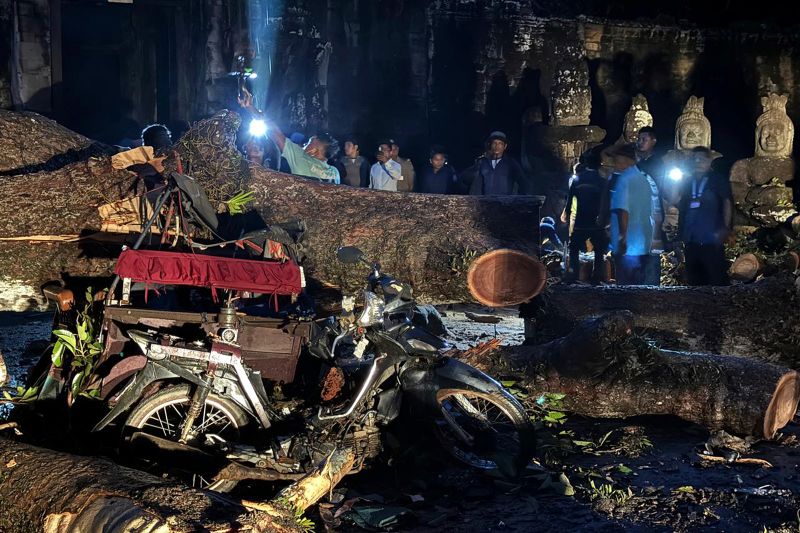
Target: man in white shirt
<point>385,174</point>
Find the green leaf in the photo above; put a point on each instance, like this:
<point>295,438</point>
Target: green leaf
<point>508,384</point>
<point>20,391</point>
<point>605,438</point>
<point>556,415</point>
<point>82,333</point>
<point>624,469</point>
<point>77,381</point>
<point>237,203</point>
<point>7,396</point>
<point>67,337</point>
<point>58,352</point>
<point>30,394</point>
<point>556,396</point>
<point>582,443</point>
<point>566,487</point>
<point>686,488</point>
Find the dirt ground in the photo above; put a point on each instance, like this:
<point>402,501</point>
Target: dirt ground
<point>618,475</point>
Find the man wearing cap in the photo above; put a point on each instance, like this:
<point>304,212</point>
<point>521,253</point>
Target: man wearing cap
<point>498,173</point>
<point>635,222</point>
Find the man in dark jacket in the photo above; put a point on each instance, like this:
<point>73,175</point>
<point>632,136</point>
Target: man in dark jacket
<point>706,209</point>
<point>438,177</point>
<point>498,173</point>
<point>586,190</point>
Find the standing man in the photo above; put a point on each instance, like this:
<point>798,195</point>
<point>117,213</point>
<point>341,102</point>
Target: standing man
<point>498,173</point>
<point>706,210</point>
<point>646,159</point>
<point>635,216</point>
<point>406,167</point>
<point>356,167</point>
<point>438,177</point>
<point>386,173</point>
<point>587,190</point>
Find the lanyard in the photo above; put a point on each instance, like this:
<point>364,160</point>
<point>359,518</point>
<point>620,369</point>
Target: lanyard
<point>698,193</point>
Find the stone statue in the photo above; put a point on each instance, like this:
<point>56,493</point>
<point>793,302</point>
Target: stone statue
<point>692,129</point>
<point>759,183</point>
<point>637,117</point>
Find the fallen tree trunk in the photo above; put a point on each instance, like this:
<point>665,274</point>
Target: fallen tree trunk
<point>606,372</point>
<point>754,320</point>
<point>427,240</point>
<point>45,490</point>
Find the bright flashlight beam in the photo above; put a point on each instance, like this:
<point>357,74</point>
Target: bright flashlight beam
<point>258,128</point>
<point>676,174</point>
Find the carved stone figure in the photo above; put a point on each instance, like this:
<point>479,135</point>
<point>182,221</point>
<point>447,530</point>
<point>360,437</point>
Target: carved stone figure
<point>692,128</point>
<point>637,117</point>
<point>759,182</point>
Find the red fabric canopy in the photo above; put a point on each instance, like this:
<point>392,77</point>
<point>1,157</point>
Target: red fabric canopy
<point>171,268</point>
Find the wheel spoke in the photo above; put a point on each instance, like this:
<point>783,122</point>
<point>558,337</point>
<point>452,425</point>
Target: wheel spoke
<point>478,428</point>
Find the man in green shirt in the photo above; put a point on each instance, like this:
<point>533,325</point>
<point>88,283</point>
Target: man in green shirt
<point>312,159</point>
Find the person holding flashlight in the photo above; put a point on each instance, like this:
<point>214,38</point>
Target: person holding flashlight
<point>311,160</point>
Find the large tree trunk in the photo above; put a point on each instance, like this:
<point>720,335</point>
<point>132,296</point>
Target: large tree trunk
<point>44,490</point>
<point>758,320</point>
<point>50,221</point>
<point>605,372</point>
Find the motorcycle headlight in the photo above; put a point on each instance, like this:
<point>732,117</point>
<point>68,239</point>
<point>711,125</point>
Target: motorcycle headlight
<point>373,310</point>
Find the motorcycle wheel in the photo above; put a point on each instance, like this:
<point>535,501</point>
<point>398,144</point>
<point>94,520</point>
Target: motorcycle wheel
<point>487,431</point>
<point>163,413</point>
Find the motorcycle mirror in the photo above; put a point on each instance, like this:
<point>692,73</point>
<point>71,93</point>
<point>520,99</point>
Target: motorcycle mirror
<point>349,255</point>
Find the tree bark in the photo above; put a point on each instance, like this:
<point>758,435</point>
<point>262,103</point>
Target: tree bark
<point>429,241</point>
<point>45,490</point>
<point>755,320</point>
<point>606,372</point>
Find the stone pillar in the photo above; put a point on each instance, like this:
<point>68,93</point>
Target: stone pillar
<point>31,56</point>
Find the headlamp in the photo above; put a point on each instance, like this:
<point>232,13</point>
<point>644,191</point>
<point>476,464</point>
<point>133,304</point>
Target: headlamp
<point>373,310</point>
<point>676,174</point>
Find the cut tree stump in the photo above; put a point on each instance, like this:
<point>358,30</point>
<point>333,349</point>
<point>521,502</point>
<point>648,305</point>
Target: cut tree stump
<point>746,267</point>
<point>45,490</point>
<point>755,320</point>
<point>502,278</point>
<point>606,372</point>
<point>429,241</point>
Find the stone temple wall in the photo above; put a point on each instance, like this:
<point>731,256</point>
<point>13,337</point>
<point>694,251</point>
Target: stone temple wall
<point>507,59</point>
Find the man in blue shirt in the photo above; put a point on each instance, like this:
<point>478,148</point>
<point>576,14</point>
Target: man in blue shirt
<point>706,209</point>
<point>498,173</point>
<point>635,219</point>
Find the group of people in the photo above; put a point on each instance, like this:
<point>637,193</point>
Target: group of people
<point>617,203</point>
<point>318,157</point>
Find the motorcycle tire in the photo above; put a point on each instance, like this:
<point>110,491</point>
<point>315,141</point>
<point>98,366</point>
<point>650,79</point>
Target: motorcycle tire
<point>180,395</point>
<point>487,431</point>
